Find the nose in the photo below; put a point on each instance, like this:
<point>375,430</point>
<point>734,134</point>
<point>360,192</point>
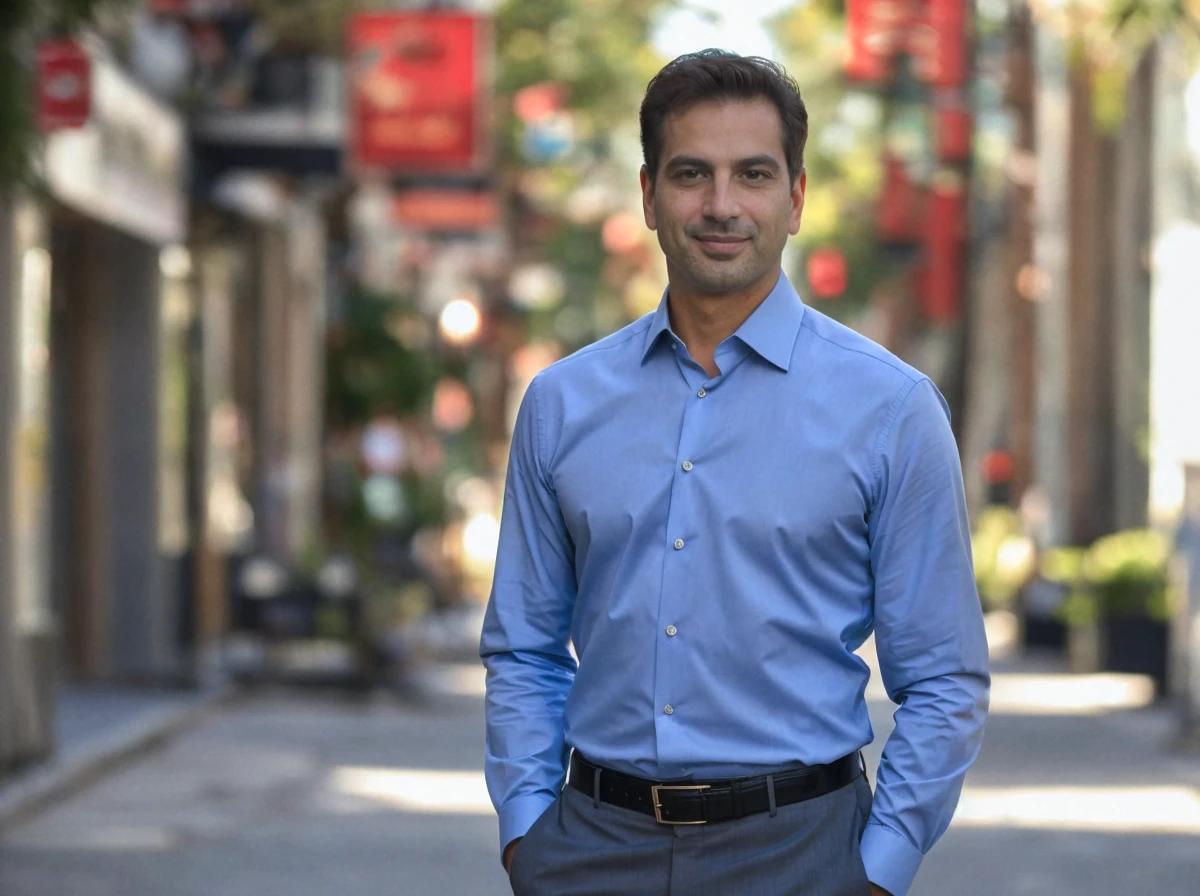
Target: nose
<point>721,203</point>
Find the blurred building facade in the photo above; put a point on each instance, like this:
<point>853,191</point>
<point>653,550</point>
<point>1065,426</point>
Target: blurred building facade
<point>167,302</point>
<point>160,366</point>
<point>97,524</point>
<point>1078,320</point>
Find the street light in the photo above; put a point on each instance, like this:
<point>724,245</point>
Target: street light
<point>459,322</point>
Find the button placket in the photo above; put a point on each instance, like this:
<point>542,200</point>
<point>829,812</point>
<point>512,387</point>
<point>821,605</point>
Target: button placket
<point>682,519</point>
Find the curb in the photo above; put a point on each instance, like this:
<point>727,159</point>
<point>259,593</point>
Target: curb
<point>25,792</point>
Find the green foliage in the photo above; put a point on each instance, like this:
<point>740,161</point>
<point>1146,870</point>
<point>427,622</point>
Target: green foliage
<point>1110,37</point>
<point>1122,574</point>
<point>1127,571</point>
<point>598,53</point>
<point>1064,566</point>
<point>1002,555</point>
<point>16,124</point>
<point>369,368</point>
<point>317,26</point>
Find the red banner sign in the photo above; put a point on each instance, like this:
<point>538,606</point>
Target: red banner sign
<point>945,253</point>
<point>952,128</point>
<point>876,31</point>
<point>940,44</point>
<point>900,210</point>
<point>445,210</point>
<point>416,90</point>
<point>64,85</point>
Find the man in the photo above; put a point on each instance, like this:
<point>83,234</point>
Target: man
<point>716,506</point>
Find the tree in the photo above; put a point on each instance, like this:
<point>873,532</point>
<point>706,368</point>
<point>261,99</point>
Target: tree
<point>596,57</point>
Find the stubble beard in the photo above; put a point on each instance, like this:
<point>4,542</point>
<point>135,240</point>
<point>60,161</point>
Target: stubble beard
<point>715,278</point>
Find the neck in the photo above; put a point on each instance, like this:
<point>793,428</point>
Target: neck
<point>704,322</point>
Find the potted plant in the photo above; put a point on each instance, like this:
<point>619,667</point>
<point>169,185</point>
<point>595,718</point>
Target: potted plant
<point>1003,557</point>
<point>1060,570</point>
<point>1126,576</point>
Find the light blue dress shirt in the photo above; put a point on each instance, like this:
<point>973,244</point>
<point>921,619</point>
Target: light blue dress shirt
<point>715,549</point>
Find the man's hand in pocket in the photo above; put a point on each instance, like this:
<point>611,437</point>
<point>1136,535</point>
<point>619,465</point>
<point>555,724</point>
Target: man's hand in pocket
<point>510,853</point>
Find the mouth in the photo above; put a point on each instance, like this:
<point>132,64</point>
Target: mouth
<point>720,243</point>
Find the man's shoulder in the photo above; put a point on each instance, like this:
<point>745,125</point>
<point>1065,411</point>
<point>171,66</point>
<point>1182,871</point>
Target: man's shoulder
<point>619,347</point>
<point>834,342</point>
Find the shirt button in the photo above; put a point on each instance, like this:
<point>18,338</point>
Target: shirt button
<point>671,631</point>
<point>679,544</point>
<point>668,709</point>
<point>702,392</point>
<point>687,466</point>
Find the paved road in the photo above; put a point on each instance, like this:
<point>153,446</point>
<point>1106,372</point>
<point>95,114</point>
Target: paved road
<point>281,794</point>
<point>300,796</point>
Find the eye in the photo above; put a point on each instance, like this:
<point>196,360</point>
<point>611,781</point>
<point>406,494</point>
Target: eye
<point>757,174</point>
<point>688,174</point>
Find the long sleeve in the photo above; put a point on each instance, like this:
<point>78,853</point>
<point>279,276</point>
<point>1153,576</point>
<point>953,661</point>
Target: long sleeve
<point>929,635</point>
<point>525,638</point>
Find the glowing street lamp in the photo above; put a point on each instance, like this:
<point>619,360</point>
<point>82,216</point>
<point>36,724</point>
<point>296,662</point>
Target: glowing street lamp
<point>459,322</point>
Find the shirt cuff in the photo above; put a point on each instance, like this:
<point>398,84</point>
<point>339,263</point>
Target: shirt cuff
<point>891,861</point>
<point>518,815</point>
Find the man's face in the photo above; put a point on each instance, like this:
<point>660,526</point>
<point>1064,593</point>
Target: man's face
<point>721,201</point>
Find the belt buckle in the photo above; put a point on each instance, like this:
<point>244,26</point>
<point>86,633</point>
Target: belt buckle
<point>655,789</point>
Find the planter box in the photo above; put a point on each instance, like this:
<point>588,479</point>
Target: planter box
<point>1136,644</point>
<point>1040,602</point>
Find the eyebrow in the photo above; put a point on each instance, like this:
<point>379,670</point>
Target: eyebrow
<point>759,161</point>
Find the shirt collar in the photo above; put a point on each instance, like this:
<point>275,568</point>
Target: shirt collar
<point>770,330</point>
<point>660,323</point>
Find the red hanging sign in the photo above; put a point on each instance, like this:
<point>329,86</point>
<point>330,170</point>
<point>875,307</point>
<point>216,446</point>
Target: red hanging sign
<point>876,30</point>
<point>434,209</point>
<point>952,128</point>
<point>416,89</point>
<point>868,57</point>
<point>939,45</point>
<point>945,253</point>
<point>901,206</point>
<point>64,85</point>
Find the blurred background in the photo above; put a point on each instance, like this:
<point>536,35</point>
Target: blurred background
<point>274,275</point>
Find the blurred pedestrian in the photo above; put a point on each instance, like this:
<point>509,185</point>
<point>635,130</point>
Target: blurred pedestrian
<point>716,506</point>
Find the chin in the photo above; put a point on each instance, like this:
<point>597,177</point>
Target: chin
<point>722,282</point>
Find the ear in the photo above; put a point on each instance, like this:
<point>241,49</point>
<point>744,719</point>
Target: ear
<point>647,197</point>
<point>798,186</point>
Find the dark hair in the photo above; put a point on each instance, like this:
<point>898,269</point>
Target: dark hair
<point>715,75</point>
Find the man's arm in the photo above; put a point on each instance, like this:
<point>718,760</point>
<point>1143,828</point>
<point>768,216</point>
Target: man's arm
<point>929,636</point>
<point>525,638</point>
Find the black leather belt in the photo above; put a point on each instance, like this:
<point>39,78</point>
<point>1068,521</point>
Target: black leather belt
<point>705,802</point>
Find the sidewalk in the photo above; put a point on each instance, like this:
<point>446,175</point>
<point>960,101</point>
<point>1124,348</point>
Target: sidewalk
<point>99,726</point>
<point>96,727</point>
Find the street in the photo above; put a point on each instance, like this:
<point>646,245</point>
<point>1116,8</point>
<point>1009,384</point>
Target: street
<point>298,794</point>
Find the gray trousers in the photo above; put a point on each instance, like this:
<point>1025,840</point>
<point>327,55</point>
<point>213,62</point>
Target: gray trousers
<point>581,848</point>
